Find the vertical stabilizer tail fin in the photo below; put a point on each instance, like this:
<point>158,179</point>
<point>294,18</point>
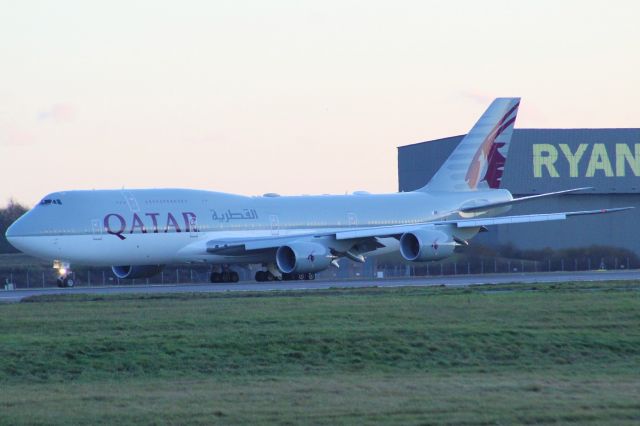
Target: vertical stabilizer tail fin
<point>478,161</point>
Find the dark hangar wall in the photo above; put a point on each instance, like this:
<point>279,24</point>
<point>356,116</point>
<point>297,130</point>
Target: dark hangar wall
<point>545,160</point>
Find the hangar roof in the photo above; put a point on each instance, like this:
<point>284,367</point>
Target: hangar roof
<point>543,160</point>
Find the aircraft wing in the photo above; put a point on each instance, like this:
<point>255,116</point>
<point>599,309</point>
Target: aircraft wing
<point>395,230</point>
<point>229,246</point>
<point>242,245</point>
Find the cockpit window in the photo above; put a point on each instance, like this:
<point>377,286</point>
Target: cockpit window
<point>48,201</point>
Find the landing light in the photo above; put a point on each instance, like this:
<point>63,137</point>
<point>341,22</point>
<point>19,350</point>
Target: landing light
<point>62,271</point>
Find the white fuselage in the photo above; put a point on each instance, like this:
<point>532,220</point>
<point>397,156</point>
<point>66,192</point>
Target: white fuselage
<point>159,226</point>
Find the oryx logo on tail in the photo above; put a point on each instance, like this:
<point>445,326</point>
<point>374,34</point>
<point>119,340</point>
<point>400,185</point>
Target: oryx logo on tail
<point>478,160</point>
<point>488,160</point>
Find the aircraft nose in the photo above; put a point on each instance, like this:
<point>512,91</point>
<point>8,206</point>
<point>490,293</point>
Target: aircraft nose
<point>16,232</point>
<point>11,231</point>
<point>16,229</point>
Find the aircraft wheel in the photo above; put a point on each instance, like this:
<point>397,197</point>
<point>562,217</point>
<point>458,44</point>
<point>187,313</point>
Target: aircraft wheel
<point>226,277</point>
<point>260,276</point>
<point>68,282</point>
<point>215,277</point>
<point>310,276</point>
<point>234,277</point>
<point>301,276</point>
<point>270,276</point>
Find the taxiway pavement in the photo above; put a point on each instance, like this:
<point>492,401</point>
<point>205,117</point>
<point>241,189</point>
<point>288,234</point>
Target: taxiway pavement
<point>453,281</point>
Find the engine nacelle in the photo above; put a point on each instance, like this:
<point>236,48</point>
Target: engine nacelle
<point>423,245</point>
<point>302,257</point>
<point>131,272</point>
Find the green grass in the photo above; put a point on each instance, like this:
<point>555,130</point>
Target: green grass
<point>532,354</point>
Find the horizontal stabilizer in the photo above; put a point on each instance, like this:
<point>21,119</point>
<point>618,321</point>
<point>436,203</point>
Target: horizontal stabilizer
<point>396,230</point>
<point>530,218</point>
<point>485,207</point>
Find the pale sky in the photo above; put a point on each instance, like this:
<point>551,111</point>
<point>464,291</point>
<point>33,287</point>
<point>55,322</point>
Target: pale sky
<point>295,97</point>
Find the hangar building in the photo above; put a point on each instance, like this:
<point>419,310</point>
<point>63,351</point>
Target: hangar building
<point>546,160</point>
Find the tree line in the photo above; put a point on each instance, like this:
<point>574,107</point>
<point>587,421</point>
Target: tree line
<point>8,215</point>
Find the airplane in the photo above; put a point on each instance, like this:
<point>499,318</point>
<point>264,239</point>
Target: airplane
<point>138,231</point>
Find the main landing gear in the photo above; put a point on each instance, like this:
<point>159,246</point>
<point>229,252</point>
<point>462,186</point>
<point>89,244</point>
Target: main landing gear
<point>262,276</point>
<point>226,276</point>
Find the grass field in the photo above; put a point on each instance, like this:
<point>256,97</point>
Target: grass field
<point>548,354</point>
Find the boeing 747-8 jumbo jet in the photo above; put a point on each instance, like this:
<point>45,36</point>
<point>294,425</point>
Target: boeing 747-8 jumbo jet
<point>138,231</point>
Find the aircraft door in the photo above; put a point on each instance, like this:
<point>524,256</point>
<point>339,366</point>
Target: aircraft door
<point>131,201</point>
<point>96,229</point>
<point>352,219</point>
<point>193,226</point>
<point>275,224</point>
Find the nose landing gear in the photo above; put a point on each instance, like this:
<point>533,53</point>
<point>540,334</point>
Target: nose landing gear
<point>65,276</point>
<point>66,280</point>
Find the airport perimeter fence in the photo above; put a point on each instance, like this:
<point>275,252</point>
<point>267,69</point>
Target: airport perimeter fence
<point>501,266</point>
<point>172,275</point>
<point>38,278</point>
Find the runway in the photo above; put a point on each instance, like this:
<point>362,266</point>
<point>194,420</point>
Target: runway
<point>452,281</point>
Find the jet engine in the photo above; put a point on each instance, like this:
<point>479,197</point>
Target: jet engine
<point>131,272</point>
<point>303,257</point>
<point>423,245</point>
